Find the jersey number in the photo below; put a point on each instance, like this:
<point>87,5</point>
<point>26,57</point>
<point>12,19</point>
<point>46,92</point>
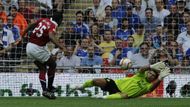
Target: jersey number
<point>40,28</point>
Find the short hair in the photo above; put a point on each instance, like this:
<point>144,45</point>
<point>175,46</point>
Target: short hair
<point>130,37</point>
<point>140,25</point>
<point>79,12</point>
<point>125,19</point>
<point>13,7</point>
<point>149,9</point>
<point>108,6</point>
<point>144,43</point>
<point>108,30</point>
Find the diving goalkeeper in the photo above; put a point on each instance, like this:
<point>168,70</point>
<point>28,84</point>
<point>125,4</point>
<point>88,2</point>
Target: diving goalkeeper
<point>144,81</point>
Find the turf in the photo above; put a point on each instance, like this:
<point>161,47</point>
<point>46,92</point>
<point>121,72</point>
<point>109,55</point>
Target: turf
<point>89,102</point>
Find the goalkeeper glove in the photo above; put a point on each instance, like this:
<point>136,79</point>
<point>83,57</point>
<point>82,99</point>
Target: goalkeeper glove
<point>165,72</point>
<point>158,66</point>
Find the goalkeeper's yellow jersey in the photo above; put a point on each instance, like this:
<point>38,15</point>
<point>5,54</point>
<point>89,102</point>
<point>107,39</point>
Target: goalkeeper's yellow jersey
<point>134,86</point>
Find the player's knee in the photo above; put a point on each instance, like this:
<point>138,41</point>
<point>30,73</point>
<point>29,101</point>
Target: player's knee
<point>41,66</point>
<point>52,64</point>
<point>99,82</point>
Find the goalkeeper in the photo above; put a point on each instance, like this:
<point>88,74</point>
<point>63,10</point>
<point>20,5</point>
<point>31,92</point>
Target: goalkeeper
<point>145,81</point>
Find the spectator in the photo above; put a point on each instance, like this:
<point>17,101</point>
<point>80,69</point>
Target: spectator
<point>109,21</point>
<point>181,6</point>
<point>81,48</point>
<point>101,25</point>
<point>150,22</point>
<point>69,60</point>
<point>98,9</point>
<point>134,19</point>
<point>16,51</point>
<point>89,17</point>
<point>25,10</point>
<point>139,35</point>
<point>138,9</point>
<point>118,11</point>
<point>18,19</point>
<point>188,4</point>
<point>95,34</point>
<point>142,58</point>
<point>148,4</point>
<point>130,47</point>
<point>160,12</point>
<point>58,9</point>
<point>3,14</point>
<point>183,26</point>
<point>158,38</point>
<point>163,55</point>
<point>183,39</point>
<point>80,27</point>
<point>9,3</point>
<point>108,44</point>
<point>174,50</point>
<point>117,53</point>
<point>173,15</point>
<point>125,31</point>
<point>91,60</point>
<point>173,27</point>
<point>185,64</point>
<point>58,53</point>
<point>169,3</point>
<point>120,51</point>
<point>7,39</point>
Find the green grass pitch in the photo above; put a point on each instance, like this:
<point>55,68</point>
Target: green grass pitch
<point>89,102</point>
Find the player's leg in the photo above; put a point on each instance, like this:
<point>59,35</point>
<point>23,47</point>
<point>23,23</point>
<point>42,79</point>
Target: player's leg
<point>42,74</point>
<point>41,55</point>
<point>106,84</point>
<point>51,73</point>
<point>100,82</point>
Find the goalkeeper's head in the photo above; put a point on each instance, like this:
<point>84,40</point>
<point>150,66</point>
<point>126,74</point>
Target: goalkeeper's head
<point>151,75</point>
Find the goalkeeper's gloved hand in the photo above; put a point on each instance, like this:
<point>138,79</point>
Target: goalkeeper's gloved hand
<point>165,72</point>
<point>158,66</point>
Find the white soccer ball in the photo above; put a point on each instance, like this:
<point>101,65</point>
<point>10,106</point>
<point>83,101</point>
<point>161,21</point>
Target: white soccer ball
<point>125,62</point>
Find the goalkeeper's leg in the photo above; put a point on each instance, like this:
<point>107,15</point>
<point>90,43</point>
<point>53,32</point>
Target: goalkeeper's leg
<point>101,82</point>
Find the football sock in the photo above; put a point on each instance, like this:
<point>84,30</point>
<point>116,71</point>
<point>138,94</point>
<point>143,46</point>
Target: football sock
<point>43,80</point>
<point>51,75</point>
<point>88,83</point>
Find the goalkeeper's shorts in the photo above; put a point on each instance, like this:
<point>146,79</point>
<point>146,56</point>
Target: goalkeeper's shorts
<point>111,87</point>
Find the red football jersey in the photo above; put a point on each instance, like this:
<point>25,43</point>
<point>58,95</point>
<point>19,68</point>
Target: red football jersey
<point>40,33</point>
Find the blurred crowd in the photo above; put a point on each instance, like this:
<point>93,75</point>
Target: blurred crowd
<point>145,31</point>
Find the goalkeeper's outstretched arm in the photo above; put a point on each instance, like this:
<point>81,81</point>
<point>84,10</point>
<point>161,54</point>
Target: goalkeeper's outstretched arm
<point>163,73</point>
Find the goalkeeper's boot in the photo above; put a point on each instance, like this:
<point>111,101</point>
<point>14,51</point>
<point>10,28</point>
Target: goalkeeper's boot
<point>78,87</point>
<point>52,89</point>
<point>48,95</point>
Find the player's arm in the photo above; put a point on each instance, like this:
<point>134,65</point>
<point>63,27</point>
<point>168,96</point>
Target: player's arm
<point>55,41</point>
<point>165,72</point>
<point>30,27</point>
<point>155,67</point>
<point>5,50</point>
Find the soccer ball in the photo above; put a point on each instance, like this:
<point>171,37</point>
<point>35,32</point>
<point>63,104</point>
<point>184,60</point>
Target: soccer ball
<point>125,62</point>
